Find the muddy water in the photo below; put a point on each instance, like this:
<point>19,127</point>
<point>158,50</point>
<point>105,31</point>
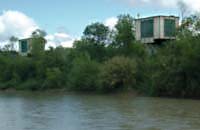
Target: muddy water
<point>61,111</point>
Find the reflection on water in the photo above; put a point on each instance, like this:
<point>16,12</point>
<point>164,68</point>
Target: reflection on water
<point>59,111</point>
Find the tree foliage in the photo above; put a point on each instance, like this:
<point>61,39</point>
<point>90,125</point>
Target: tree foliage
<point>125,34</point>
<point>123,64</point>
<point>83,74</point>
<point>118,73</point>
<point>177,70</point>
<point>96,33</point>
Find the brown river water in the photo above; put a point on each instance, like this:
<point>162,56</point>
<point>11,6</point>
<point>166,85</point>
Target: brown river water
<point>67,111</point>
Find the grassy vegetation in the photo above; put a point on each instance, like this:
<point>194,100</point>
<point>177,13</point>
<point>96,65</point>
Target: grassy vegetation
<point>109,61</point>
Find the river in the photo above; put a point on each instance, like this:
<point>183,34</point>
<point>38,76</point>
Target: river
<point>67,111</point>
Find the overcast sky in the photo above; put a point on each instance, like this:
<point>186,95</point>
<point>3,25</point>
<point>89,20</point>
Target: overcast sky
<point>65,20</point>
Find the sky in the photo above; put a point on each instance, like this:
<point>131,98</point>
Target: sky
<point>65,20</point>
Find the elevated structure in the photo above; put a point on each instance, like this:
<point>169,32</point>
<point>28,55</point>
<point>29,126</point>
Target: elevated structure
<point>25,45</point>
<point>157,28</point>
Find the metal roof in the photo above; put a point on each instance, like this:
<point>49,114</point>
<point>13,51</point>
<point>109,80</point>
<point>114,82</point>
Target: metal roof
<point>170,16</point>
<point>30,39</point>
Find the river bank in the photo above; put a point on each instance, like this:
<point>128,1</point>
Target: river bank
<point>65,91</point>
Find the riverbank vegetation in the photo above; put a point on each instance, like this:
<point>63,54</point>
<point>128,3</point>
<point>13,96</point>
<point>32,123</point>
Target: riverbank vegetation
<point>106,60</point>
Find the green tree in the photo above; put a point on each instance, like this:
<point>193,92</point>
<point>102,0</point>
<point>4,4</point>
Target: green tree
<point>96,33</point>
<point>176,70</point>
<point>38,46</point>
<point>190,26</point>
<point>38,42</point>
<point>10,46</point>
<point>125,28</point>
<point>39,33</point>
<point>13,41</point>
<point>96,52</point>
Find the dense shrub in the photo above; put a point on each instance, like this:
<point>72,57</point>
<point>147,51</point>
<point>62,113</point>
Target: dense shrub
<point>110,60</point>
<point>118,73</point>
<point>54,78</point>
<point>84,74</point>
<point>30,84</point>
<point>177,70</point>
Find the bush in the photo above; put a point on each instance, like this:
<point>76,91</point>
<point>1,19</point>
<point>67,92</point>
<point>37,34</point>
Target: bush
<point>30,84</point>
<point>118,73</point>
<point>177,72</point>
<point>54,78</point>
<point>84,74</point>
